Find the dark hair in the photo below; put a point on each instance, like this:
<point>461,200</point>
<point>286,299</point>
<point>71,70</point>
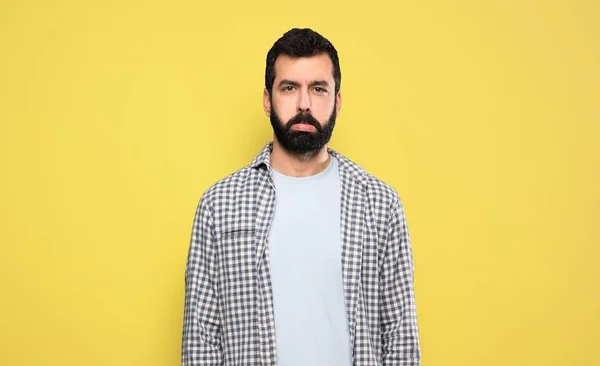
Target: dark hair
<point>301,43</point>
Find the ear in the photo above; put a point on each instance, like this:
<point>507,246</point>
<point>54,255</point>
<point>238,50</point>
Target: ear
<point>338,102</point>
<point>267,102</point>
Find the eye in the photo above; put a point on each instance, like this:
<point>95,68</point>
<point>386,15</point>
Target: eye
<point>318,89</point>
<point>287,88</point>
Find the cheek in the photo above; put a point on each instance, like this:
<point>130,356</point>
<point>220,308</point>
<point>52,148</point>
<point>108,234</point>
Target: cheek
<point>322,109</point>
<point>284,108</point>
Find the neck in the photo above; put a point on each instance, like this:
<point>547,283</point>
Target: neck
<point>298,165</point>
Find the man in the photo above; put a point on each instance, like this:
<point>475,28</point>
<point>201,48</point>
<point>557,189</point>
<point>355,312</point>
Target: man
<point>301,258</point>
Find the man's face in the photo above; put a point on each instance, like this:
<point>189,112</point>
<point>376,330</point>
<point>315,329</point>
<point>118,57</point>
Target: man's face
<point>303,105</point>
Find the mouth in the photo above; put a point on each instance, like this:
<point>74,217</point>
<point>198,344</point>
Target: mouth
<point>304,127</point>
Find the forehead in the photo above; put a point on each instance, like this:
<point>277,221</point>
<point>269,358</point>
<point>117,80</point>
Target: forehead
<point>318,67</point>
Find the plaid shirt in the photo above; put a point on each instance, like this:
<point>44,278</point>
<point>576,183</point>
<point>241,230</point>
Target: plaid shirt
<point>228,314</point>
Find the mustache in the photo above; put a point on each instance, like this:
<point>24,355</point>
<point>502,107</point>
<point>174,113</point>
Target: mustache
<point>304,118</point>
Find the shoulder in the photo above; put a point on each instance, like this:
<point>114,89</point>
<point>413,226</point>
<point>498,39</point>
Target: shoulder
<point>378,191</point>
<point>232,186</point>
<point>231,202</point>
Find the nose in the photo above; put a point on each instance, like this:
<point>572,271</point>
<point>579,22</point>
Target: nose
<point>304,102</point>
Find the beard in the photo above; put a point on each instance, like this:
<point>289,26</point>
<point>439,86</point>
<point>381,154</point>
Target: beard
<point>302,142</point>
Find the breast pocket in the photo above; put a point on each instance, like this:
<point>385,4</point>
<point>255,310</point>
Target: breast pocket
<point>238,257</point>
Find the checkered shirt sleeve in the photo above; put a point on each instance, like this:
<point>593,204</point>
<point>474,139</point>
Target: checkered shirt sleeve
<point>201,343</point>
<point>398,315</point>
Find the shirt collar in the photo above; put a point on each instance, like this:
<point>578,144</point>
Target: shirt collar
<point>345,164</point>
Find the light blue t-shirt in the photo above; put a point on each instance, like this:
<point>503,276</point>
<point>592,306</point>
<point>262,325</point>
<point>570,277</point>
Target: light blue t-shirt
<point>306,271</point>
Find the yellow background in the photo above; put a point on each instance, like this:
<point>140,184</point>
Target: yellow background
<point>116,116</point>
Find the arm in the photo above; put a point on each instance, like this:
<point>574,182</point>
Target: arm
<point>201,341</point>
<point>400,333</point>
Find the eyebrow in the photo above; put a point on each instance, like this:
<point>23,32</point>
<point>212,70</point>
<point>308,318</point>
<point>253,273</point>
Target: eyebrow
<point>295,83</point>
